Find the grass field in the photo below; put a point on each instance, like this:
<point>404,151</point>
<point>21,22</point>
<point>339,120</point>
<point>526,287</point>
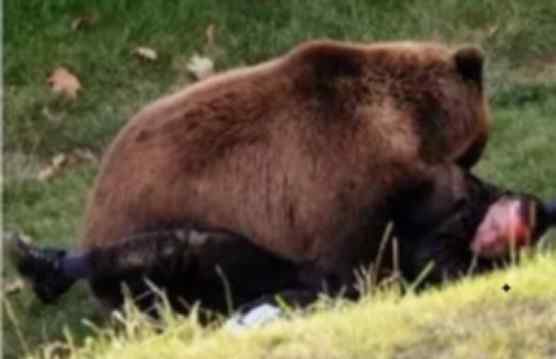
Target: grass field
<point>517,36</point>
<point>473,319</point>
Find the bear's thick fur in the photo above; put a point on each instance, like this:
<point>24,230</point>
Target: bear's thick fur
<point>304,155</point>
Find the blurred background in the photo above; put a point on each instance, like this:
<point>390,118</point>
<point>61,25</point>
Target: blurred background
<point>76,70</point>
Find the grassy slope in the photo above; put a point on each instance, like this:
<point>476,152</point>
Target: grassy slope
<point>472,319</point>
<point>517,35</point>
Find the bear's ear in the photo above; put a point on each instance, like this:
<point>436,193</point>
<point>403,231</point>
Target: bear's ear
<point>469,64</point>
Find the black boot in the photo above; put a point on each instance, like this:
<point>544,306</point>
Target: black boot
<point>42,267</point>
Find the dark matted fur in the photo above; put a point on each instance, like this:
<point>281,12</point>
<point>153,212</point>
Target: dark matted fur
<point>194,264</point>
<point>303,154</point>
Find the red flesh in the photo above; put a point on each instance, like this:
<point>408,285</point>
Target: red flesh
<point>504,227</point>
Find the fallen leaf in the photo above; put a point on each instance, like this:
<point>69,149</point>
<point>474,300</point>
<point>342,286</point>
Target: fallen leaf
<point>85,155</point>
<point>62,161</point>
<point>63,81</point>
<point>201,67</point>
<point>84,21</point>
<point>80,155</point>
<point>13,286</point>
<point>59,160</point>
<point>53,168</point>
<point>145,53</point>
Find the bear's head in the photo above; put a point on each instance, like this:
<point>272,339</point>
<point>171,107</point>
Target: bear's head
<point>438,88</point>
<point>443,91</point>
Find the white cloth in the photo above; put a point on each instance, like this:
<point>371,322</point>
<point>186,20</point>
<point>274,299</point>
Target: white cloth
<point>256,317</point>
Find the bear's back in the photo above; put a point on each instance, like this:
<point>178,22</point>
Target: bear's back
<point>295,154</point>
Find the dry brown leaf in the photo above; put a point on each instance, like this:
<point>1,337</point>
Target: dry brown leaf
<point>64,160</point>
<point>84,21</point>
<point>84,155</point>
<point>145,53</point>
<point>201,67</point>
<point>13,286</point>
<point>80,155</point>
<point>59,160</point>
<point>53,168</point>
<point>63,81</point>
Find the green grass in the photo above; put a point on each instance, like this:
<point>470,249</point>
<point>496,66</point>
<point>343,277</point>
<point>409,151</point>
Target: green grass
<point>471,319</point>
<point>518,37</point>
<point>39,37</point>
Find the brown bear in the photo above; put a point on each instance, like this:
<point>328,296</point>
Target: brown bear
<point>459,224</point>
<point>304,155</point>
